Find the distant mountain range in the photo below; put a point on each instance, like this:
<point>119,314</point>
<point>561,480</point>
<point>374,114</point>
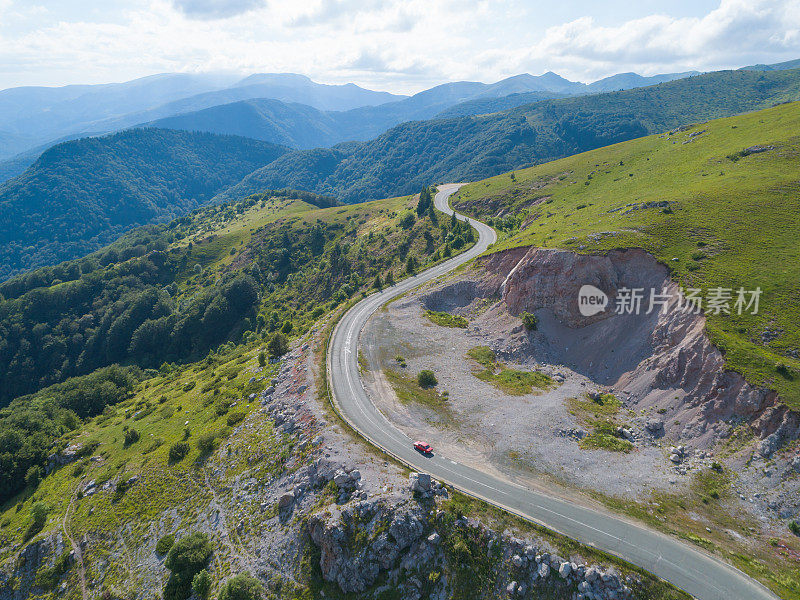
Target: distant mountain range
<point>80,195</point>
<point>414,154</point>
<point>33,118</point>
<point>304,127</point>
<point>782,66</point>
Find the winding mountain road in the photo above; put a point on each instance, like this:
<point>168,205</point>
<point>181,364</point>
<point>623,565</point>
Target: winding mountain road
<point>685,566</point>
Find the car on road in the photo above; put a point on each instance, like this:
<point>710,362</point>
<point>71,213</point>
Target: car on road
<point>423,447</point>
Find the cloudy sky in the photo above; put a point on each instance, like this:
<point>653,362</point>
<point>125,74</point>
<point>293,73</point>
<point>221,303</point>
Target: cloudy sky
<point>401,45</point>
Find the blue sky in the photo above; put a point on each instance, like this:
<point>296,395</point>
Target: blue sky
<point>402,46</point>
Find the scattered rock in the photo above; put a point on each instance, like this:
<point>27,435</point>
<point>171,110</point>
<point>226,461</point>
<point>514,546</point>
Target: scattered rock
<point>655,426</point>
<point>285,501</point>
<point>564,570</point>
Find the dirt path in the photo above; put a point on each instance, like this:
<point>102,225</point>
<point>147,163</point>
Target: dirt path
<point>75,548</point>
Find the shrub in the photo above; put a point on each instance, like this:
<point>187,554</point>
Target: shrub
<point>122,486</point>
<point>201,583</point>
<point>177,451</point>
<point>39,512</point>
<point>444,319</point>
<point>426,379</point>
<point>164,544</point>
<point>241,587</point>
<point>287,327</point>
<point>794,527</point>
<point>205,443</point>
<point>278,345</point>
<point>187,557</point>
<point>33,476</point>
<point>235,417</point>
<point>530,321</point>
<point>48,577</point>
<point>131,437</point>
<point>407,220</point>
<point>262,359</point>
<point>189,385</point>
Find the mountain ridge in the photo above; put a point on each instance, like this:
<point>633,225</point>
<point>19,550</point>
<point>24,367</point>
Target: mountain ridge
<point>464,148</point>
<point>81,195</point>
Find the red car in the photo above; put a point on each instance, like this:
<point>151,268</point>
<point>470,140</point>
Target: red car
<point>423,447</point>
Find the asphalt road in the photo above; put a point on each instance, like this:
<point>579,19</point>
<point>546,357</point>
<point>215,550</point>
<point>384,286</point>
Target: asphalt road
<point>686,567</point>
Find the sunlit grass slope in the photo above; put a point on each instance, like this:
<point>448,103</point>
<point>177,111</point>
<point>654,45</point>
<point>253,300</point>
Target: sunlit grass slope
<point>725,217</point>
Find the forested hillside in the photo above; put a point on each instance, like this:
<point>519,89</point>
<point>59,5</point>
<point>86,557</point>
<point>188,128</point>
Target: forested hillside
<point>81,195</point>
<point>304,127</point>
<point>266,267</point>
<point>466,148</point>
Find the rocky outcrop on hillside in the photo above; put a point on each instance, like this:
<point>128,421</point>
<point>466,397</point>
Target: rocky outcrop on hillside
<point>663,361</point>
<point>292,499</point>
<point>37,568</point>
<point>419,550</point>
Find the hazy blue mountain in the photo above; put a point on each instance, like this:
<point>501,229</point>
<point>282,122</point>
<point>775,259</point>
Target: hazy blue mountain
<point>627,81</point>
<point>482,106</point>
<point>294,125</point>
<point>43,114</point>
<point>32,116</point>
<point>548,82</point>
<point>304,127</point>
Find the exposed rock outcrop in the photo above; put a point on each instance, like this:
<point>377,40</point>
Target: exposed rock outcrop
<point>661,361</point>
<point>363,541</point>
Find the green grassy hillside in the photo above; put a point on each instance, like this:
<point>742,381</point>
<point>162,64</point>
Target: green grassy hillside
<point>731,219</point>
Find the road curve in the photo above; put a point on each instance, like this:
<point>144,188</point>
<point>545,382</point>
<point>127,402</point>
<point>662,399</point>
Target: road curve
<point>686,567</point>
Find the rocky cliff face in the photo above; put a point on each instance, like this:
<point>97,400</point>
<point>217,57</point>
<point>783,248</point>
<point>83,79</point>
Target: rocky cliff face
<point>418,550</point>
<point>662,361</point>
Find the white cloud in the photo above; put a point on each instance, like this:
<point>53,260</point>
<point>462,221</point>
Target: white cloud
<point>738,32</point>
<point>398,45</point>
<point>216,9</point>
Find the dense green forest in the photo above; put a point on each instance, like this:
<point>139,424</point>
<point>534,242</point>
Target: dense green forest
<point>122,303</point>
<point>175,292</point>
<point>81,195</point>
<point>461,149</point>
